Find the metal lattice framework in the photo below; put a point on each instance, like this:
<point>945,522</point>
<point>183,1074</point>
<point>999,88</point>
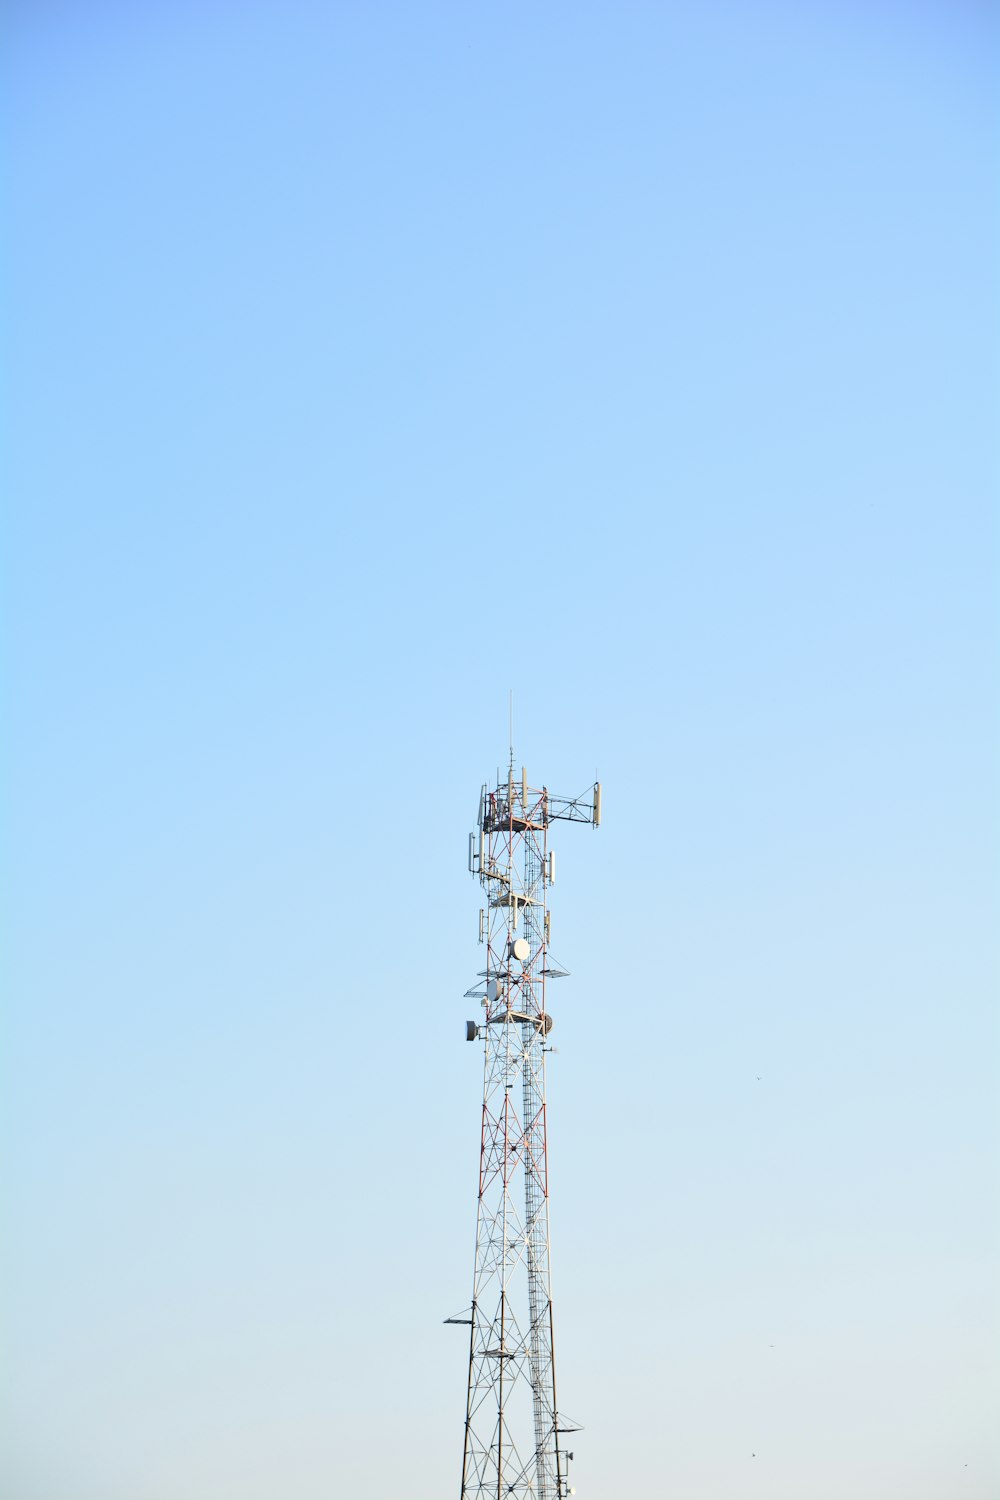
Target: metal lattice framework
<point>512,1423</point>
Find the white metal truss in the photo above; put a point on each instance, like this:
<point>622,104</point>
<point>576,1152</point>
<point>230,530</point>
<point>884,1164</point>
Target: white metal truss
<point>512,1424</point>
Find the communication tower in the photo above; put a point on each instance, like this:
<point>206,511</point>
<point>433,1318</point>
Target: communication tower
<point>514,1433</point>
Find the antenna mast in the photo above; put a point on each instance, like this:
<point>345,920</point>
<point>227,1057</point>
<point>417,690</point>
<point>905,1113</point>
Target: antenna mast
<point>513,1427</point>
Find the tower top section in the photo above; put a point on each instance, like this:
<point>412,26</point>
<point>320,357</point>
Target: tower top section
<point>514,806</point>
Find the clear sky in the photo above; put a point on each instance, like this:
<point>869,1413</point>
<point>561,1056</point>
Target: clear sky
<point>364,361</point>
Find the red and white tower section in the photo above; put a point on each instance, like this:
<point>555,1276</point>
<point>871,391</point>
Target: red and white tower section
<point>515,1440</point>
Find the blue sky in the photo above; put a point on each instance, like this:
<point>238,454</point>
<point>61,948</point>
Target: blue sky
<point>363,363</point>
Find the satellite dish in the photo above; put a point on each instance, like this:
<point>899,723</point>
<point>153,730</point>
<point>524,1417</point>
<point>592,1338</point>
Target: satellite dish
<point>520,950</point>
<point>492,991</point>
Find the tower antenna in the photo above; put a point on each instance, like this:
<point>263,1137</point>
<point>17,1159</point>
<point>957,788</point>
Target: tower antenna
<point>514,1430</point>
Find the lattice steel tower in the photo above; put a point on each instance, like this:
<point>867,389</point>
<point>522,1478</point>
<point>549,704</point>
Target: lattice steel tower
<point>513,1430</point>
